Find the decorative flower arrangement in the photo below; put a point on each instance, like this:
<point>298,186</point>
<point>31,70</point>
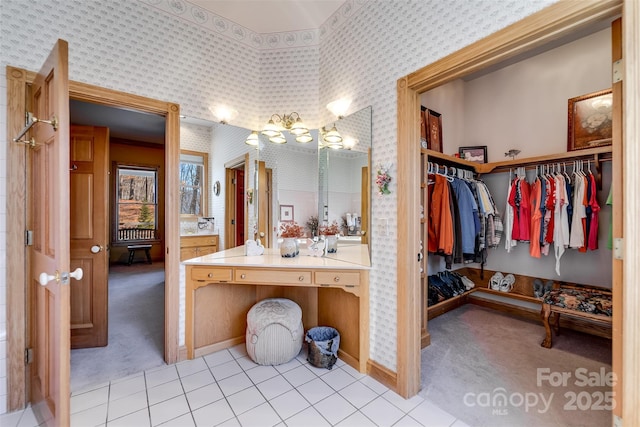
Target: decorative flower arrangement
<point>312,225</point>
<point>329,230</point>
<point>383,179</point>
<point>291,229</point>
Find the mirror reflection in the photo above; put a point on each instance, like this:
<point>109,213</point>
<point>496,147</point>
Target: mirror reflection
<point>262,186</point>
<point>344,176</point>
<point>229,212</point>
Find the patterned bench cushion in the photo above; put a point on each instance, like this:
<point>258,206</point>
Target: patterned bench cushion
<point>587,300</point>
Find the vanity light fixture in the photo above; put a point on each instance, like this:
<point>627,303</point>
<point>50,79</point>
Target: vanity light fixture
<point>304,138</point>
<point>339,107</point>
<point>253,139</point>
<point>349,142</point>
<point>278,123</point>
<point>332,138</point>
<point>223,114</point>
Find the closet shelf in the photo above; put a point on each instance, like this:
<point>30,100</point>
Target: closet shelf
<point>448,304</point>
<point>449,159</point>
<point>585,154</point>
<point>513,295</point>
<point>598,154</point>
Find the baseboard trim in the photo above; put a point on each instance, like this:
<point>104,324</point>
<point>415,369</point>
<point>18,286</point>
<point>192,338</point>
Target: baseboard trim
<point>382,375</point>
<point>182,353</point>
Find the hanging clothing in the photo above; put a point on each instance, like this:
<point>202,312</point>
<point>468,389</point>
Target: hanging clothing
<point>536,218</point>
<point>440,217</point>
<point>509,243</point>
<point>561,229</point>
<point>468,209</point>
<point>592,243</point>
<point>576,239</point>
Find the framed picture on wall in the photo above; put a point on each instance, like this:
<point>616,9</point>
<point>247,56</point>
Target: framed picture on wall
<point>590,120</point>
<point>476,154</point>
<point>433,122</point>
<point>286,213</point>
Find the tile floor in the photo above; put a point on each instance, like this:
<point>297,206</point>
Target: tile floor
<point>228,389</point>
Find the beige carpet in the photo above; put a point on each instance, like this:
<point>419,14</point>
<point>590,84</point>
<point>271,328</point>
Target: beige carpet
<point>488,369</point>
<point>136,328</point>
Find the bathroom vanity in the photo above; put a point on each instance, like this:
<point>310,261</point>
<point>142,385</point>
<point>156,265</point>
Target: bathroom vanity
<point>332,291</point>
<point>192,246</point>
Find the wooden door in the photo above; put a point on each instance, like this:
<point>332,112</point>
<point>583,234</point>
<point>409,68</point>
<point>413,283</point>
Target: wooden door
<point>364,204</point>
<point>89,152</point>
<point>239,207</point>
<point>48,217</point>
<point>229,209</point>
<point>264,197</point>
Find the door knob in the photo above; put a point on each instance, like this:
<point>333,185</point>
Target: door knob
<point>96,249</point>
<point>77,274</point>
<point>45,278</point>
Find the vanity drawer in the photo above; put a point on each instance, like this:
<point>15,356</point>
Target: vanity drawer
<point>337,278</point>
<point>192,241</point>
<point>211,274</point>
<point>276,277</point>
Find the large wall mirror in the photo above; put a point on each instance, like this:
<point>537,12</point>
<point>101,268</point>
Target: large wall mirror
<point>260,187</point>
<point>344,176</point>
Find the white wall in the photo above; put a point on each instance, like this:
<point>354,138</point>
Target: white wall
<point>163,50</point>
<point>522,106</point>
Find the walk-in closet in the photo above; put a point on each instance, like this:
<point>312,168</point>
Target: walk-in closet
<point>514,199</point>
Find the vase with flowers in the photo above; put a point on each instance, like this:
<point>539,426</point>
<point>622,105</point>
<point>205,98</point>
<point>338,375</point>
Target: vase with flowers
<point>383,179</point>
<point>330,233</point>
<point>290,232</point>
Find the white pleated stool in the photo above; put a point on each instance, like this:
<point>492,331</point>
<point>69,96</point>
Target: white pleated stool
<point>274,331</point>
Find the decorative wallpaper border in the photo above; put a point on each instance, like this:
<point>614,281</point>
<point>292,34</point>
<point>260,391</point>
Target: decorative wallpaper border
<point>219,24</point>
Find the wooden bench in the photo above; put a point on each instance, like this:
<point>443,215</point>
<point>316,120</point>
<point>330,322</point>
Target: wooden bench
<point>585,302</point>
<point>132,252</point>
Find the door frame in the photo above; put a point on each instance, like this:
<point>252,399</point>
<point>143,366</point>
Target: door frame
<point>535,30</point>
<point>17,81</point>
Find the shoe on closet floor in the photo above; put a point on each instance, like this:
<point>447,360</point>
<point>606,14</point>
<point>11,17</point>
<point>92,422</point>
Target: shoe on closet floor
<point>548,286</point>
<point>507,283</point>
<point>496,281</point>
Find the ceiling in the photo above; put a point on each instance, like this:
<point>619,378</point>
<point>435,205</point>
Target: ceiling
<point>273,16</point>
<point>261,16</point>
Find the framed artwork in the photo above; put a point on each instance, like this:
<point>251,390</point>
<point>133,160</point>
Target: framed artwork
<point>286,213</point>
<point>433,122</point>
<point>476,154</point>
<point>590,120</point>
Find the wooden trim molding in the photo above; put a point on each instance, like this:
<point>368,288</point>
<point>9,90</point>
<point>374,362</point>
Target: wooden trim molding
<point>631,227</point>
<point>560,19</point>
<point>17,81</point>
<point>382,374</point>
<point>16,255</point>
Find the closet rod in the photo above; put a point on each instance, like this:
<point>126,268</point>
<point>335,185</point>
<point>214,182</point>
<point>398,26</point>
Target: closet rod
<point>551,163</point>
<point>596,165</point>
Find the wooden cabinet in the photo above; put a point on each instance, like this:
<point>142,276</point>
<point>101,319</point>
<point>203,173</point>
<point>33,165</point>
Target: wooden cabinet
<point>195,246</point>
<point>219,295</point>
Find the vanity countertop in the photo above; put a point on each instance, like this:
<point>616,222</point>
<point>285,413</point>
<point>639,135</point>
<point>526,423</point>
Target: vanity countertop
<point>347,257</point>
<point>198,234</point>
